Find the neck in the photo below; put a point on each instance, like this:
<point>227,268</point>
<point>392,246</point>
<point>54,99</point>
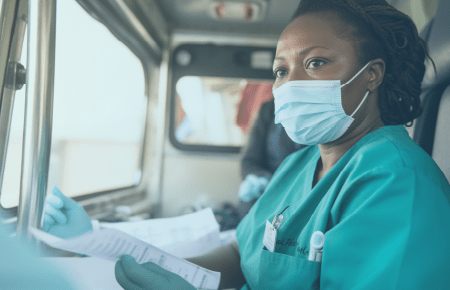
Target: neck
<point>330,153</point>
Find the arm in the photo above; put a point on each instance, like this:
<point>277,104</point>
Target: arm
<point>254,152</point>
<point>392,231</point>
<point>133,276</point>
<point>226,260</point>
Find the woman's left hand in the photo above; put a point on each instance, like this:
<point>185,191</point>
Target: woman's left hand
<point>133,276</point>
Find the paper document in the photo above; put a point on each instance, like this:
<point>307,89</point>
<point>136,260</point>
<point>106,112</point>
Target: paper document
<point>184,236</point>
<point>110,244</point>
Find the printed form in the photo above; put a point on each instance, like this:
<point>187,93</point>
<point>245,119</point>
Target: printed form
<point>110,244</point>
<point>183,236</point>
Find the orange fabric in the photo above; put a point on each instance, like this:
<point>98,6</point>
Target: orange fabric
<point>252,97</point>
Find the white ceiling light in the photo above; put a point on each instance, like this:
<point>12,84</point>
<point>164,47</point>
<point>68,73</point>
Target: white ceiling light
<point>238,11</point>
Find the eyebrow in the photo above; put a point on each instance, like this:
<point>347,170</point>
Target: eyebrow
<point>304,51</point>
<point>311,48</point>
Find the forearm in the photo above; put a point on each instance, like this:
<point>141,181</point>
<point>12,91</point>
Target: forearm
<point>252,166</point>
<point>226,260</point>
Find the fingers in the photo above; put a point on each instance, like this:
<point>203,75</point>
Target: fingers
<point>56,191</point>
<point>143,276</point>
<point>251,178</point>
<point>122,278</point>
<point>56,214</point>
<point>158,270</point>
<point>54,201</point>
<point>68,202</point>
<point>132,269</point>
<point>263,181</point>
<point>48,222</point>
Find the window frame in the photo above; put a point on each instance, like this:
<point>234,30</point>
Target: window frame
<point>215,61</point>
<point>96,202</point>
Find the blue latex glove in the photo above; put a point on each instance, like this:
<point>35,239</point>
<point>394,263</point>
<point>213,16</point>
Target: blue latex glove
<point>252,187</point>
<point>133,276</point>
<point>64,217</point>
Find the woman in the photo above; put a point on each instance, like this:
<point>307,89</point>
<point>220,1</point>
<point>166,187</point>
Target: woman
<point>380,200</point>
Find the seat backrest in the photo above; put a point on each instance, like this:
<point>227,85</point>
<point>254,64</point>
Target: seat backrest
<point>431,128</point>
<point>441,148</point>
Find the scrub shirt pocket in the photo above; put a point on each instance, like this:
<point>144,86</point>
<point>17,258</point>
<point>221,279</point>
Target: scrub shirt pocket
<point>280,271</point>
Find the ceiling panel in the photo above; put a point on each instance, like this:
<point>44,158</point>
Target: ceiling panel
<point>193,14</point>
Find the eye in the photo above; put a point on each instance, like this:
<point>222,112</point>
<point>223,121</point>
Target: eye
<point>315,63</point>
<point>279,73</point>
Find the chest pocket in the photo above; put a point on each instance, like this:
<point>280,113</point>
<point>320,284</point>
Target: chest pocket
<point>280,271</point>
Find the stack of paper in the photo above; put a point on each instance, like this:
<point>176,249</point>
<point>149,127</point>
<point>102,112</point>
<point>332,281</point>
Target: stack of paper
<point>183,236</point>
<point>187,235</point>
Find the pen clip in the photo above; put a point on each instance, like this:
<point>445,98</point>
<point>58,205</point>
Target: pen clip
<point>278,219</point>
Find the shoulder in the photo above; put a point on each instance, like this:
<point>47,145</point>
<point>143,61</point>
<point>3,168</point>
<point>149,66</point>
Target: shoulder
<point>391,168</point>
<point>393,150</point>
<point>266,113</point>
<point>268,106</point>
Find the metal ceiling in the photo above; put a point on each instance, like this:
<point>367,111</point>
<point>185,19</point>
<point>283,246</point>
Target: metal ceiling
<point>193,14</point>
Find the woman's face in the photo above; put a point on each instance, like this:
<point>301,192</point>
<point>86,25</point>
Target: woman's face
<point>311,49</point>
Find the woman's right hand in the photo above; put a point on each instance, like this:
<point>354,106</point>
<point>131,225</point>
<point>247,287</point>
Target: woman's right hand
<point>64,217</point>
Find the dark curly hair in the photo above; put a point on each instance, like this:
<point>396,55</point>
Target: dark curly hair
<point>381,31</point>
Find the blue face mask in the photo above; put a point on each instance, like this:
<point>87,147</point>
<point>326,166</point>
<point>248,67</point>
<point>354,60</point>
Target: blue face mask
<point>311,111</point>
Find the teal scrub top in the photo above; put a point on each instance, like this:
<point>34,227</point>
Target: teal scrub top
<point>384,209</point>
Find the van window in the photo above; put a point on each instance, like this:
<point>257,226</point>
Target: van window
<point>99,107</point>
<point>217,111</point>
<point>99,111</point>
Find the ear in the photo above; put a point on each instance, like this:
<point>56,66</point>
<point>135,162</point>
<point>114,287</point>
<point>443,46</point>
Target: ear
<point>376,71</point>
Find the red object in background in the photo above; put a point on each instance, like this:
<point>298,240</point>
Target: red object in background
<point>252,97</point>
<point>180,112</point>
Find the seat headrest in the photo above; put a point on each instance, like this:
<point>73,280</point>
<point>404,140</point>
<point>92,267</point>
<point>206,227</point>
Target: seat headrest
<point>437,35</point>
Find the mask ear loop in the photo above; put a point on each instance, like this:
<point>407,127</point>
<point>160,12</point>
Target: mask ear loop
<point>354,112</point>
<point>355,76</point>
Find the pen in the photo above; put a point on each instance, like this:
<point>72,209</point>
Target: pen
<point>316,246</point>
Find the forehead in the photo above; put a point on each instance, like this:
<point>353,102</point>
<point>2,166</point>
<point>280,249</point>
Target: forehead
<point>323,29</point>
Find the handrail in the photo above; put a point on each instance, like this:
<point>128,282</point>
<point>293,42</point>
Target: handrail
<point>8,11</point>
<point>38,113</point>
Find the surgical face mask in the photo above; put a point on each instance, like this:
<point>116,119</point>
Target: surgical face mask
<point>311,111</point>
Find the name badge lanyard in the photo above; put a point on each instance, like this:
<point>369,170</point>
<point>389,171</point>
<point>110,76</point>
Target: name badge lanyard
<point>270,233</point>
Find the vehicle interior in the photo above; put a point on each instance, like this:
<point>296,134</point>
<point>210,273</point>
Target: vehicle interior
<point>139,109</point>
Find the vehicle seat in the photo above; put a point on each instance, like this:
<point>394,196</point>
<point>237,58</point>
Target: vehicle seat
<point>432,127</point>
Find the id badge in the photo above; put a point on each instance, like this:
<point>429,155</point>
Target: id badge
<point>270,237</point>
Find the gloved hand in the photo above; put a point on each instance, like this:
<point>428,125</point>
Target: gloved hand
<point>64,217</point>
<point>133,276</point>
<point>252,187</point>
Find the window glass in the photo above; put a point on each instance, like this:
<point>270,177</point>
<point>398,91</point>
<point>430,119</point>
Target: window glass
<point>11,179</point>
<point>99,107</point>
<point>217,111</point>
<point>99,111</point>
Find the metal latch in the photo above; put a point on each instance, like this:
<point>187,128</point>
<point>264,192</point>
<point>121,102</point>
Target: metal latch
<point>16,76</point>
